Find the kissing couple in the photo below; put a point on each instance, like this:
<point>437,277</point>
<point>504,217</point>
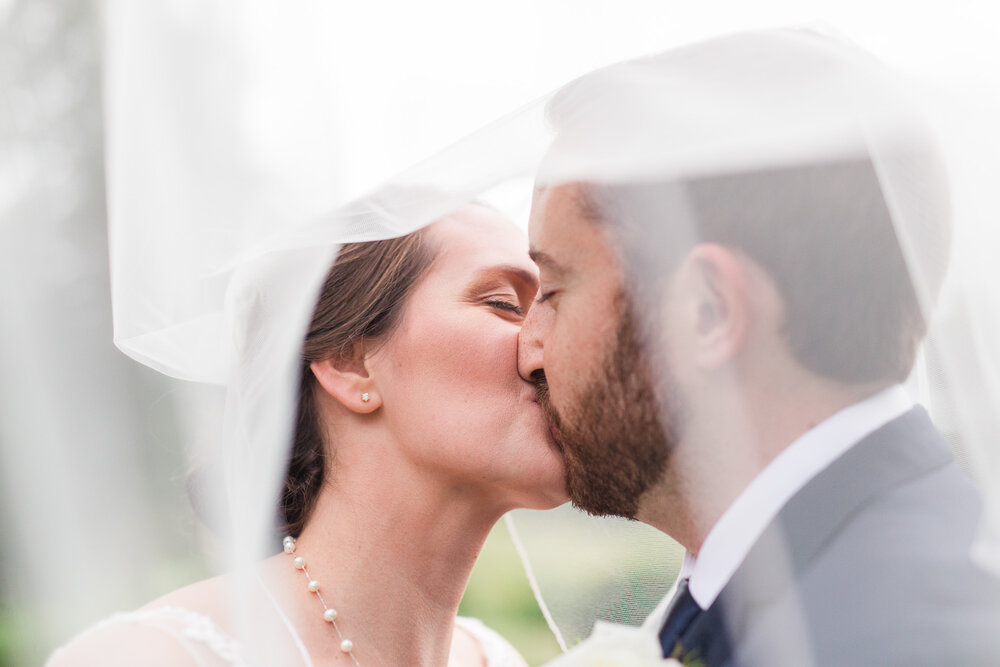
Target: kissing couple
<point>717,326</point>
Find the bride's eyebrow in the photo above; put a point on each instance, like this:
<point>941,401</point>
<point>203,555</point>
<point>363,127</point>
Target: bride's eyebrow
<point>502,275</point>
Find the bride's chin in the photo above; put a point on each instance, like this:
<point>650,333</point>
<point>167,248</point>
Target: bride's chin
<point>548,500</point>
<point>550,488</point>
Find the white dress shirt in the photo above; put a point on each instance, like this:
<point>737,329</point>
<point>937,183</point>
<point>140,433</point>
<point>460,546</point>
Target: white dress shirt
<point>739,527</point>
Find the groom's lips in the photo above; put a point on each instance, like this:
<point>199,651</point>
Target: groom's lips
<point>553,431</point>
<point>541,396</point>
<point>555,435</point>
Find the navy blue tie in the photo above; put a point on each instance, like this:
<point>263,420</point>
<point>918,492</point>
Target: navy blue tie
<point>683,610</point>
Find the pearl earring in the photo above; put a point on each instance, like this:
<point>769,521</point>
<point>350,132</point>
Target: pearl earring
<point>365,398</point>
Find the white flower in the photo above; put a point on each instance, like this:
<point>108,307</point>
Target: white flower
<point>611,645</point>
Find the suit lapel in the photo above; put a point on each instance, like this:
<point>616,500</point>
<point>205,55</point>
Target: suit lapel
<point>902,450</point>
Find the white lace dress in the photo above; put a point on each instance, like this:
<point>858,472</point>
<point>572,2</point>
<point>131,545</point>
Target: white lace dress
<point>197,637</point>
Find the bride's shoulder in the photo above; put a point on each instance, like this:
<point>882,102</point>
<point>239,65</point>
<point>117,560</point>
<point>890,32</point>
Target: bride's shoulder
<point>206,597</point>
<point>180,628</point>
<point>475,643</point>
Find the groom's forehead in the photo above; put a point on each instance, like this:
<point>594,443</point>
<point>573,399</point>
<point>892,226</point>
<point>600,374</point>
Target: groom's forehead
<point>556,218</point>
<point>575,194</point>
<point>561,210</point>
<point>566,233</point>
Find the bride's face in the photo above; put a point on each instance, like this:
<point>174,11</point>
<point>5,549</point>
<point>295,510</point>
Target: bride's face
<point>451,394</point>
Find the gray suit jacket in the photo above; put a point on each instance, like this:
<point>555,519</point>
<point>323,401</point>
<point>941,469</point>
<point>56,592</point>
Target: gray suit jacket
<point>867,565</point>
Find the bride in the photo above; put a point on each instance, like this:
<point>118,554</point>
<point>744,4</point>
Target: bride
<point>414,435</point>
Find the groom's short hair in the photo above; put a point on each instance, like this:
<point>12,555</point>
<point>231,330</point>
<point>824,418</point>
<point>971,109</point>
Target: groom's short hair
<point>824,234</point>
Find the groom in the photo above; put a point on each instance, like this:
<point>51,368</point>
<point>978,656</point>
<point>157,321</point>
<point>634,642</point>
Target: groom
<point>720,353</point>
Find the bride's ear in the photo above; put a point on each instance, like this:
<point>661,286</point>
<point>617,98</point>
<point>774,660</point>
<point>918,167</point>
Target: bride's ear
<point>348,380</point>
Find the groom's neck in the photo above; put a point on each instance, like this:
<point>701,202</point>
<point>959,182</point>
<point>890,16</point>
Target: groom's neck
<point>726,446</point>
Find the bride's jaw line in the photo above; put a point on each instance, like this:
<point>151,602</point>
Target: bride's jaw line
<point>415,486</point>
<point>454,400</point>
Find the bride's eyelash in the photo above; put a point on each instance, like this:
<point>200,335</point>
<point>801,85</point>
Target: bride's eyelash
<point>505,305</point>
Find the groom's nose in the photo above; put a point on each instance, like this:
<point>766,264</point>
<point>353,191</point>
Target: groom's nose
<point>529,345</point>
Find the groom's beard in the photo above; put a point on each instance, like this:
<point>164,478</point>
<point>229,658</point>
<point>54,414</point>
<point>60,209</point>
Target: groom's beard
<point>611,437</point>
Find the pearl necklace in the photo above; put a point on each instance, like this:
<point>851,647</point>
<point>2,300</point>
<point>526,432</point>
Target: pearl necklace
<point>329,613</point>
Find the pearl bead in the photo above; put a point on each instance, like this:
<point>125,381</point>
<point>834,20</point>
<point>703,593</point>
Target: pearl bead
<point>329,614</point>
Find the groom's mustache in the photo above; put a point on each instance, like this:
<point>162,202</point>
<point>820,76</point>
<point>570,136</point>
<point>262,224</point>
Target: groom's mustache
<point>542,396</point>
<point>541,389</point>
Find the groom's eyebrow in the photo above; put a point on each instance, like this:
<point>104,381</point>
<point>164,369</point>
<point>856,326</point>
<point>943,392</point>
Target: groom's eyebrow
<point>545,261</point>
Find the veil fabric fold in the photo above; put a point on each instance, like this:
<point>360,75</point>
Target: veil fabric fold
<point>748,101</point>
<point>227,128</point>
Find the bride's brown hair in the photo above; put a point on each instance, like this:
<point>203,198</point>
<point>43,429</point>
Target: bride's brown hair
<point>361,299</point>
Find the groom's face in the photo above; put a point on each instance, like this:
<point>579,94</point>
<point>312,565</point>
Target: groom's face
<point>580,345</point>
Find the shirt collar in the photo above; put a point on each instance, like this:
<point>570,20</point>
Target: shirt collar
<point>739,527</point>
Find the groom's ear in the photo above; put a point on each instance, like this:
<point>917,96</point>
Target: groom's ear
<point>719,303</point>
<point>348,380</point>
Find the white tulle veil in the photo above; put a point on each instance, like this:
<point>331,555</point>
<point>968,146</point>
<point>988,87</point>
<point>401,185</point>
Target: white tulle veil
<point>219,235</point>
<point>747,102</point>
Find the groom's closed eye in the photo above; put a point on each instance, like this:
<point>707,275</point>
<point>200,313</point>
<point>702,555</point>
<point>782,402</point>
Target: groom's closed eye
<point>544,296</point>
<point>551,271</point>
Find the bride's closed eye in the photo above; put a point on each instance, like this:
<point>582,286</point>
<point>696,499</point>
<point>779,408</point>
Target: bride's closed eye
<point>506,290</point>
<point>506,304</point>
